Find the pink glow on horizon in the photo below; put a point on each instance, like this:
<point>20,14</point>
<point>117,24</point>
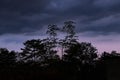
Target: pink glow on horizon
<point>102,43</point>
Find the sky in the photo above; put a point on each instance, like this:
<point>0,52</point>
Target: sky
<point>97,21</point>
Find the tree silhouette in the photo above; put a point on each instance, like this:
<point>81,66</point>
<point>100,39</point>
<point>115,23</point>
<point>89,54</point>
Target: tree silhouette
<point>52,31</point>
<point>69,29</point>
<point>83,52</point>
<point>51,42</point>
<point>34,50</point>
<point>82,56</point>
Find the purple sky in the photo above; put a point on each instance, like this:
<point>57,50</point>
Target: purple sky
<point>97,21</point>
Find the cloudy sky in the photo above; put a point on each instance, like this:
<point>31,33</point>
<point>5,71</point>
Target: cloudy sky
<point>97,21</point>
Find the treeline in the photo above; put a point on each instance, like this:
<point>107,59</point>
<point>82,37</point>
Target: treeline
<point>53,58</point>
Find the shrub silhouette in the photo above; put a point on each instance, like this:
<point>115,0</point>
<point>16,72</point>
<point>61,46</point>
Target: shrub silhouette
<point>7,58</point>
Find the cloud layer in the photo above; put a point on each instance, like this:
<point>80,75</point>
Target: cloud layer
<point>24,16</point>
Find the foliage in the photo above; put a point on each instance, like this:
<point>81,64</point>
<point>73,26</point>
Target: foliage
<point>7,58</point>
<point>82,52</point>
<point>33,50</point>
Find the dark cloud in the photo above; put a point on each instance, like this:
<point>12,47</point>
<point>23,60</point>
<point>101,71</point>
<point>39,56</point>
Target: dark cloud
<point>16,16</point>
<point>23,6</point>
<point>103,26</point>
<point>25,16</point>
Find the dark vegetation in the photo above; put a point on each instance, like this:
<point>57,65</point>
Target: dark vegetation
<point>40,59</point>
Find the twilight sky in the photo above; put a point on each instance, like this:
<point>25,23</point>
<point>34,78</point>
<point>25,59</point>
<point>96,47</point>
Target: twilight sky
<point>97,21</point>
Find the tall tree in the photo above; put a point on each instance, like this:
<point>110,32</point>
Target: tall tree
<point>70,37</point>
<point>51,42</point>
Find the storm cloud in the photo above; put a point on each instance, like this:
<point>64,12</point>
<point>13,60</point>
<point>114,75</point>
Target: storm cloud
<point>25,16</point>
